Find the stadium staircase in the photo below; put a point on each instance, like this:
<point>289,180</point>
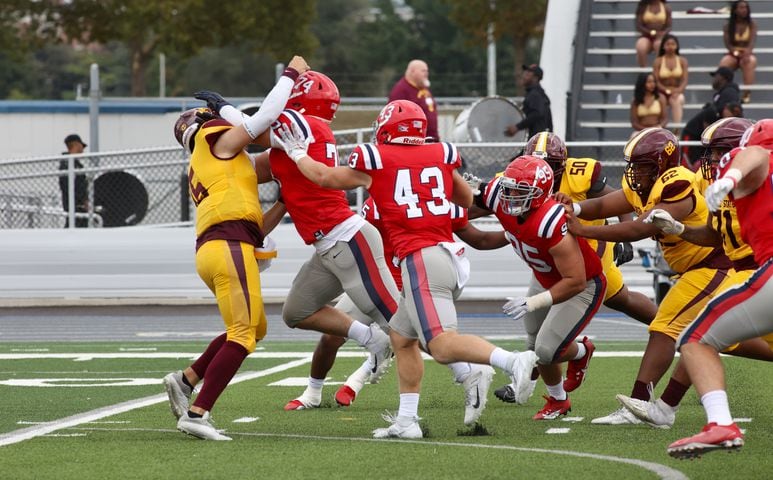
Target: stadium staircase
<point>607,70</point>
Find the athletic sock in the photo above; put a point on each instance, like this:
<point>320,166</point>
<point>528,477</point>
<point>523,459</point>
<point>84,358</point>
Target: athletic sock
<point>461,370</point>
<point>360,333</point>
<point>581,351</point>
<point>717,409</point>
<point>201,363</point>
<point>557,391</point>
<point>640,391</point>
<point>674,393</point>
<point>220,371</point>
<point>409,405</point>
<point>502,359</point>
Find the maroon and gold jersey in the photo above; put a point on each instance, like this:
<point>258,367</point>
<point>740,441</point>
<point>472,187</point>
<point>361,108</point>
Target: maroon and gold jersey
<point>725,221</point>
<point>674,185</point>
<point>755,214</point>
<point>313,209</point>
<point>412,186</point>
<point>533,237</point>
<point>225,190</point>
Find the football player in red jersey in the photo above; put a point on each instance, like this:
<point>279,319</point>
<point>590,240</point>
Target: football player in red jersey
<point>349,253</point>
<point>568,284</point>
<point>474,378</point>
<point>413,184</point>
<point>742,312</point>
<point>229,226</point>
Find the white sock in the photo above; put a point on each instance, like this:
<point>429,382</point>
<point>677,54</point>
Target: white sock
<point>557,391</point>
<point>359,332</point>
<point>500,358</point>
<point>358,378</point>
<point>460,369</point>
<point>717,408</point>
<point>409,405</point>
<point>581,351</point>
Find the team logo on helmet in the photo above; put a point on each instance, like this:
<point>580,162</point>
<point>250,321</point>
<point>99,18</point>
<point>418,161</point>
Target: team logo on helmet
<point>525,185</point>
<point>669,148</point>
<point>400,121</point>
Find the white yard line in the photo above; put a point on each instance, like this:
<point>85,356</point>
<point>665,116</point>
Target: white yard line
<point>21,435</point>
<point>662,471</point>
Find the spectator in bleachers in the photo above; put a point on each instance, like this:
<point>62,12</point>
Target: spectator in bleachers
<point>740,33</point>
<point>670,70</point>
<point>648,107</point>
<point>653,22</point>
<point>726,95</point>
<point>732,109</point>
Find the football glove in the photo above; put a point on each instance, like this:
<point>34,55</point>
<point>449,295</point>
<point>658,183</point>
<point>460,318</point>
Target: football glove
<point>515,308</point>
<point>717,192</point>
<point>473,181</point>
<point>665,222</point>
<point>214,100</point>
<point>623,253</point>
<point>292,141</point>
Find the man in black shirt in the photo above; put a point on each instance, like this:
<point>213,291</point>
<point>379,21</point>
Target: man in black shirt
<point>536,104</point>
<point>74,146</point>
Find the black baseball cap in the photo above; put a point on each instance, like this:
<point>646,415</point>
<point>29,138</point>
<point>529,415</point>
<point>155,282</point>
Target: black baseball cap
<point>725,72</point>
<point>74,138</point>
<point>533,68</point>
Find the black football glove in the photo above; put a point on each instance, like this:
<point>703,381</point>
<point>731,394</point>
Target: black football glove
<point>214,100</point>
<point>205,116</point>
<point>623,253</point>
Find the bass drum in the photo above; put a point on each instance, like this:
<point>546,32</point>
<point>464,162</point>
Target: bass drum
<point>120,198</point>
<point>486,121</point>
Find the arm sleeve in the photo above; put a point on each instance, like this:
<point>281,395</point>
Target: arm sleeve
<point>271,107</point>
<point>233,116</point>
<point>597,180</point>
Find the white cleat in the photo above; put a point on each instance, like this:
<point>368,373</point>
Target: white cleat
<point>402,427</point>
<point>380,354</point>
<point>178,392</point>
<point>656,414</point>
<point>200,428</point>
<point>476,386</point>
<point>619,417</point>
<point>520,375</point>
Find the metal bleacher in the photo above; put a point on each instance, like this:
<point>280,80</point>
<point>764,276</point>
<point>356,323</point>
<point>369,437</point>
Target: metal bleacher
<point>607,70</point>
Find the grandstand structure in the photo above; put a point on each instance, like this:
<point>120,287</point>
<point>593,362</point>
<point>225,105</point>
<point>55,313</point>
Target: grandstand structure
<point>605,66</point>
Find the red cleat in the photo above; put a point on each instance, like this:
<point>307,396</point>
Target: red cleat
<point>712,437</point>
<point>553,408</point>
<point>576,370</point>
<point>345,396</point>
<point>300,404</point>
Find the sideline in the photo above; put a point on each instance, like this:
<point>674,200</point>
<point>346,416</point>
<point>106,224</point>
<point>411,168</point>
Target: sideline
<point>23,434</point>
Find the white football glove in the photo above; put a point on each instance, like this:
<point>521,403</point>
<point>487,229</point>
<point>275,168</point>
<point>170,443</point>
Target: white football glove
<point>515,308</point>
<point>717,192</point>
<point>292,141</point>
<point>665,222</point>
<point>473,181</point>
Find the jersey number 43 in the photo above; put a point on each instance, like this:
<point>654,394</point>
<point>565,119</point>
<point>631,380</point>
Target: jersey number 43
<point>404,193</point>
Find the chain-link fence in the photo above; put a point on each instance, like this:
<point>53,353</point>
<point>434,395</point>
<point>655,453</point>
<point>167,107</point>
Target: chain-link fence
<point>110,189</point>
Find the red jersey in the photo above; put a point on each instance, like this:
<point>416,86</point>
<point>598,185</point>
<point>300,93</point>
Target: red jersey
<point>755,214</point>
<point>411,184</point>
<point>313,209</point>
<point>370,213</point>
<point>534,236</point>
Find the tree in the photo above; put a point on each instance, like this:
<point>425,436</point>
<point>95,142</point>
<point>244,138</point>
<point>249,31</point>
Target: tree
<point>184,27</point>
<point>522,21</point>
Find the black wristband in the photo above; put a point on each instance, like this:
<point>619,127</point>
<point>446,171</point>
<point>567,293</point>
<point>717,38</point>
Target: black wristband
<point>291,73</point>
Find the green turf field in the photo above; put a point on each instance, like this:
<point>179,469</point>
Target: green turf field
<point>120,426</point>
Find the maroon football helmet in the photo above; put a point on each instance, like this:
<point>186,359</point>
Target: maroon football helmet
<point>187,125</point>
<point>719,138</point>
<point>525,184</point>
<point>649,154</point>
<point>549,147</point>
<point>315,94</point>
<point>401,121</point>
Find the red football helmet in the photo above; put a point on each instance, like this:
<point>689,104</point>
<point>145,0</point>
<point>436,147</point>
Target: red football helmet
<point>549,147</point>
<point>525,184</point>
<point>315,94</point>
<point>760,134</point>
<point>719,138</point>
<point>187,125</point>
<point>401,121</point>
<point>649,154</point>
